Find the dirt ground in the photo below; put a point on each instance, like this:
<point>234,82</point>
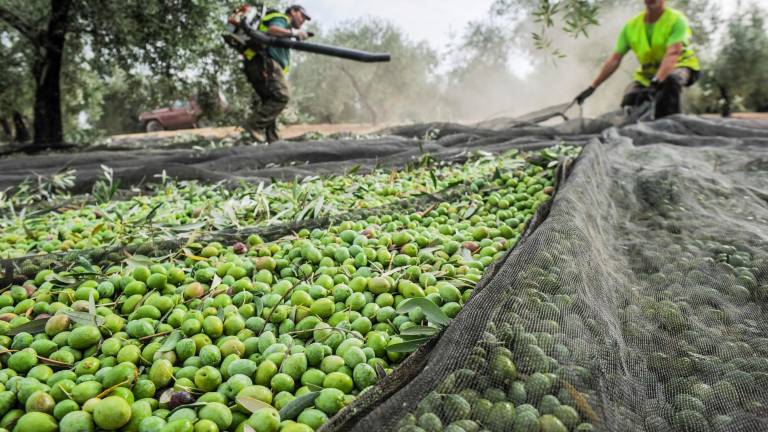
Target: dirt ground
<point>751,116</point>
<point>299,130</point>
<point>745,116</point>
<point>224,132</point>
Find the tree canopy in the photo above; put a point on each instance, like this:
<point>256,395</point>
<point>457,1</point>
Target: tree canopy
<point>735,78</point>
<point>333,90</point>
<point>48,37</point>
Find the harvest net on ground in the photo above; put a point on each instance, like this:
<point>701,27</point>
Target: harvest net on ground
<point>630,301</point>
<point>638,304</point>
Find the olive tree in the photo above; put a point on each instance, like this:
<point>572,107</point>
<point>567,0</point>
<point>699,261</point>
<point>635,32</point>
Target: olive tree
<point>335,90</point>
<point>734,79</point>
<point>163,37</point>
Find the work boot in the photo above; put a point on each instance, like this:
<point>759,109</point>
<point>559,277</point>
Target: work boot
<point>251,135</point>
<point>271,134</point>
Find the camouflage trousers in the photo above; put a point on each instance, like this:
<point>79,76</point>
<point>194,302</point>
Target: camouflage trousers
<point>272,94</point>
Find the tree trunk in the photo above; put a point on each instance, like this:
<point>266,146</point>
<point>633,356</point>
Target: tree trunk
<point>363,97</point>
<point>20,127</point>
<point>726,110</point>
<point>48,126</point>
<point>7,132</point>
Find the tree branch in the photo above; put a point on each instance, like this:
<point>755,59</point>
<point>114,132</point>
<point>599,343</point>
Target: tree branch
<point>16,22</point>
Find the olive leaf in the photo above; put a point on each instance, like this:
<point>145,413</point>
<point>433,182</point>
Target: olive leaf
<point>86,264</point>
<point>109,390</point>
<point>312,206</point>
<point>170,342</point>
<point>84,318</point>
<point>61,279</point>
<point>407,346</point>
<point>139,260</point>
<point>165,397</point>
<point>319,206</point>
<point>422,331</point>
<point>470,211</point>
<point>258,304</point>
<point>32,327</point>
<point>252,404</point>
<point>433,313</point>
<point>296,406</point>
<point>216,281</point>
<point>466,255</point>
<point>187,227</point>
<point>192,405</point>
<point>91,305</point>
<point>151,214</point>
<point>496,173</point>
<point>433,178</point>
<point>549,154</point>
<point>191,255</point>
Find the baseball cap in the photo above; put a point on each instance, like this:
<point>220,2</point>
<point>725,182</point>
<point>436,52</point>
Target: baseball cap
<point>302,10</point>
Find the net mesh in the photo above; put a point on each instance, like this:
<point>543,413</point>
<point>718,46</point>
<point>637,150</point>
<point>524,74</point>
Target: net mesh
<point>282,160</point>
<point>637,305</point>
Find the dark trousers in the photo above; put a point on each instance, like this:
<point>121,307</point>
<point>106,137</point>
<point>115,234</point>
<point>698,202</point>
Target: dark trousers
<point>668,96</point>
<point>272,94</point>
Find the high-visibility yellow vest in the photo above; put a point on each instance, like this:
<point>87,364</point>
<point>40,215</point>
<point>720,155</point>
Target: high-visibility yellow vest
<point>249,53</point>
<point>650,55</point>
<point>269,17</point>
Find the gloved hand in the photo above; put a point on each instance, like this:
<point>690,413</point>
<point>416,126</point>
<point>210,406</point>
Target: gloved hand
<point>299,35</point>
<point>584,95</point>
<point>655,85</point>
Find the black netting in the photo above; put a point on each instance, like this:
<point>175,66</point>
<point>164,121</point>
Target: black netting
<point>283,160</point>
<point>637,305</point>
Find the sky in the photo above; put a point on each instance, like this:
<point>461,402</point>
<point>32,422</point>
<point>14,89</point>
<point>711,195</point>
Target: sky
<point>434,21</point>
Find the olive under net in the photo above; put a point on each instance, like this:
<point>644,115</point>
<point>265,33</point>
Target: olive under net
<point>639,304</point>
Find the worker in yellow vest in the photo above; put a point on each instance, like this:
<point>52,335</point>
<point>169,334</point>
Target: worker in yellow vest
<point>660,38</point>
<point>266,70</point>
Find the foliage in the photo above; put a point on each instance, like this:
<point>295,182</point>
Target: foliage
<point>177,40</point>
<point>14,95</point>
<point>334,90</point>
<point>705,19</point>
<point>734,79</point>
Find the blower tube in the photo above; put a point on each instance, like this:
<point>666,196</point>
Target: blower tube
<point>345,53</point>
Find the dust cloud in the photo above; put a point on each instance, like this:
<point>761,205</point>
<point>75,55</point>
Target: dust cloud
<point>552,80</point>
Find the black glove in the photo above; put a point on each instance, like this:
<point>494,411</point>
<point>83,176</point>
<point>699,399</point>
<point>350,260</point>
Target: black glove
<point>584,95</point>
<point>655,85</point>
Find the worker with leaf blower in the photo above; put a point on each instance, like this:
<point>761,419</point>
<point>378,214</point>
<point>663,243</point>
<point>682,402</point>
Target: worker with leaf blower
<point>266,66</point>
<point>660,38</point>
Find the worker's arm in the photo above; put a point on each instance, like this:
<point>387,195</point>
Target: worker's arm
<point>669,63</point>
<point>609,67</point>
<point>280,32</point>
